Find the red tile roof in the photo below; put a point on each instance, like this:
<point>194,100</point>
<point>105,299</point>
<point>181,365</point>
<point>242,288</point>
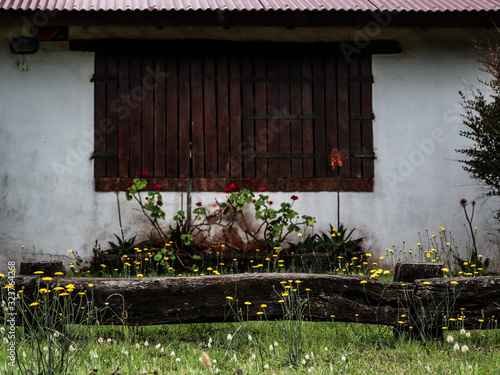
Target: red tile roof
<point>329,5</point>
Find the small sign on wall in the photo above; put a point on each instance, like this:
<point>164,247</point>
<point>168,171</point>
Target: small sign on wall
<point>50,33</point>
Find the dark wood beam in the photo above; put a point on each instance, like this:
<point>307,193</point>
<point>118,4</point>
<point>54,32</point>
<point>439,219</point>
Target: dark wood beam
<point>226,19</point>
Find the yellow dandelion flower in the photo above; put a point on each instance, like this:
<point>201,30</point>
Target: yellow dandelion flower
<point>91,285</point>
<point>70,251</point>
<point>248,303</point>
<point>263,305</point>
<point>140,275</point>
<point>260,313</point>
<point>81,293</point>
<point>58,273</point>
<point>454,282</point>
<point>427,283</point>
<point>281,301</point>
<point>363,282</point>
<point>229,297</point>
<point>64,294</point>
<point>47,278</point>
<point>368,255</point>
<point>445,269</point>
<point>34,304</point>
<point>38,272</point>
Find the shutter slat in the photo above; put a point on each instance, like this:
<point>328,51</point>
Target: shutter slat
<point>147,118</point>
<point>319,122</point>
<point>197,123</point>
<point>367,125</point>
<point>296,125</point>
<point>210,118</point>
<point>172,141</point>
<point>123,118</point>
<point>260,125</point>
<point>235,116</point>
<point>343,114</point>
<point>248,106</point>
<point>307,125</point>
<point>223,116</point>
<point>355,123</point>
<point>331,113</point>
<point>157,78</point>
<point>184,117</point>
<point>136,128</point>
<point>284,105</point>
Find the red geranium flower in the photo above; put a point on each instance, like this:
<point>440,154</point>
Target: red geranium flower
<point>144,174</point>
<point>294,197</point>
<point>254,200</point>
<point>232,186</point>
<point>157,187</point>
<point>270,202</point>
<point>262,188</point>
<point>198,204</point>
<point>227,190</point>
<point>159,203</point>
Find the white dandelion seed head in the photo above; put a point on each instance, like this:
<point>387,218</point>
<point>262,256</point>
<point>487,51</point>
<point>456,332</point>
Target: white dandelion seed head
<point>146,343</point>
<point>449,338</point>
<point>162,349</point>
<point>467,334</point>
<point>463,331</point>
<point>306,356</point>
<point>343,358</point>
<point>214,360</point>
<point>271,347</point>
<point>172,353</point>
<point>249,338</point>
<point>266,366</point>
<point>229,337</point>
<point>2,330</point>
<point>5,340</point>
<point>100,340</point>
<point>158,346</point>
<point>465,349</point>
<point>137,346</point>
<point>304,362</point>
<point>109,340</point>
<point>456,347</point>
<point>276,344</point>
<point>253,356</point>
<point>177,359</point>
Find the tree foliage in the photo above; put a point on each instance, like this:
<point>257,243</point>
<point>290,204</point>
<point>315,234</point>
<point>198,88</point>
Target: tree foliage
<point>482,121</point>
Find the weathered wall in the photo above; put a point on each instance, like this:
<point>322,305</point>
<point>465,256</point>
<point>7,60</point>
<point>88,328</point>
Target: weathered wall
<point>48,204</point>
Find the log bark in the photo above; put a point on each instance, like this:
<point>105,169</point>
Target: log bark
<point>149,301</point>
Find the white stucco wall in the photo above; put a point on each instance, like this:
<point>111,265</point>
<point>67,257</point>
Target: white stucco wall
<point>48,202</point>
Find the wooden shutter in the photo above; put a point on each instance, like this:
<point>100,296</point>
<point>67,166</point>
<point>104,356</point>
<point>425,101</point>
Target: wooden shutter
<point>221,120</point>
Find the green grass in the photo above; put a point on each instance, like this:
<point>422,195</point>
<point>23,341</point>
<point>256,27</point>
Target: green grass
<point>327,348</point>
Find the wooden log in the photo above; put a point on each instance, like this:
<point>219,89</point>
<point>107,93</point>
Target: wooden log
<point>149,301</point>
<point>409,272</point>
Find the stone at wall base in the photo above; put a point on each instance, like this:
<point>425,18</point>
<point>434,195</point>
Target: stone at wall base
<point>48,268</point>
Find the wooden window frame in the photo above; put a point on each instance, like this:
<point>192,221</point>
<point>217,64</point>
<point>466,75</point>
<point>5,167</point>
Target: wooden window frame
<point>347,84</point>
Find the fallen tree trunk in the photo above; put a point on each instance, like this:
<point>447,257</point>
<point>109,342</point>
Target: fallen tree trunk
<point>149,301</point>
